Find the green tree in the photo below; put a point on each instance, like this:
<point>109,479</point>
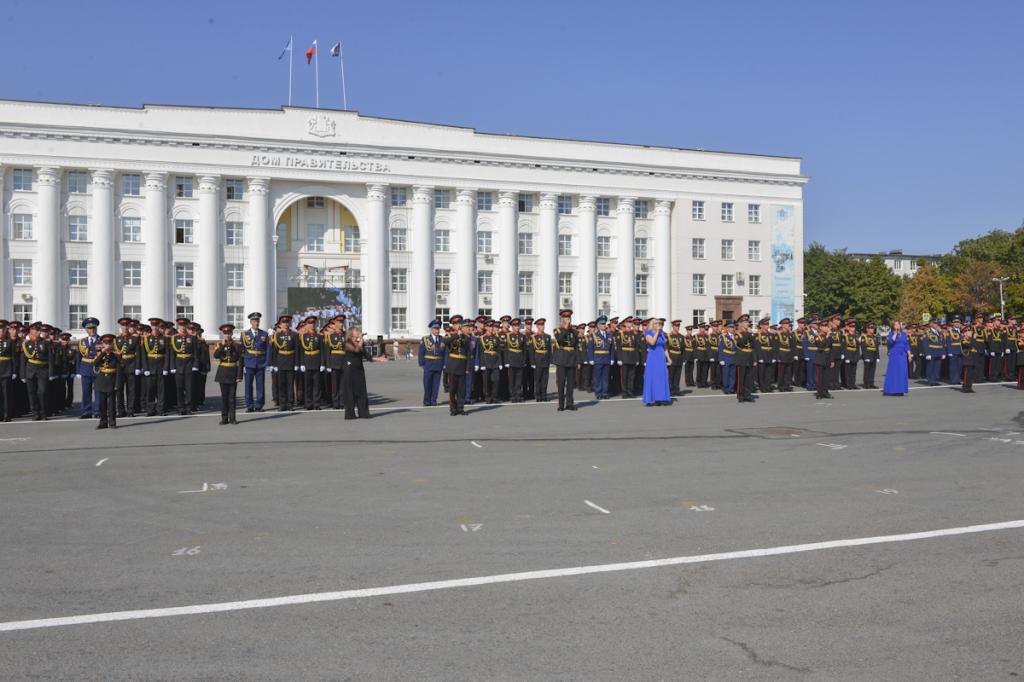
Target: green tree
<point>928,291</point>
<point>835,282</point>
<point>975,290</point>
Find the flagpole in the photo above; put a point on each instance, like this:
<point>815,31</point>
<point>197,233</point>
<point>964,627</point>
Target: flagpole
<point>344,96</point>
<point>316,56</point>
<point>291,51</point>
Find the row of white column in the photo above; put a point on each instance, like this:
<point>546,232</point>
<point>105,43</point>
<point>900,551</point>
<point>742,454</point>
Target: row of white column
<point>158,285</point>
<point>464,298</point>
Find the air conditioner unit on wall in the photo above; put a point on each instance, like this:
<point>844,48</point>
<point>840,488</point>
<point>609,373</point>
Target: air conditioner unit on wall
<point>182,298</point>
<point>740,279</point>
<point>442,299</point>
<point>643,267</point>
<point>566,302</point>
<point>487,300</point>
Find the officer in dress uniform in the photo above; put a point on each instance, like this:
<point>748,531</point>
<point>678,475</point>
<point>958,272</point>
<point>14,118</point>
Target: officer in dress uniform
<point>8,359</point>
<point>727,358</point>
<point>955,351</point>
<point>282,361</point>
<point>88,347</point>
<point>256,344</point>
<point>334,360</point>
<point>564,345</point>
<point>35,370</point>
<point>677,354</point>
<point>700,354</point>
<point>529,386</point>
<point>970,358</point>
<point>627,356</point>
<point>311,362</point>
<point>744,360</point>
<point>154,368</point>
<point>456,365</point>
<point>788,355</point>
<point>689,356</point>
<point>230,355</point>
<point>600,355</point>
<point>934,352</point>
<point>431,360</point>
<point>181,360</point>
<point>540,351</point>
<point>869,353</point>
<point>514,359</point>
<point>126,345</point>
<point>851,355</point>
<point>764,356</point>
<point>487,363</point>
<point>201,368</point>
<point>107,368</point>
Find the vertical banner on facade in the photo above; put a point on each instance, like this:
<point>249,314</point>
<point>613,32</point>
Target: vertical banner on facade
<point>783,239</point>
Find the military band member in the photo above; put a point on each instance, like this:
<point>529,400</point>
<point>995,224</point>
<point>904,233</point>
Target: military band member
<point>564,345</point>
<point>745,347</point>
<point>230,356</point>
<point>689,357</point>
<point>764,356</point>
<point>35,371</point>
<point>850,356</point>
<point>627,356</point>
<point>487,363</point>
<point>201,368</point>
<point>311,362</point>
<point>126,345</point>
<point>106,367</point>
<point>1019,344</point>
<point>701,357</point>
<point>727,351</point>
<point>66,354</point>
<point>934,345</point>
<point>334,360</point>
<point>514,359</point>
<point>789,355</point>
<point>823,361</point>
<point>256,344</point>
<point>586,371</point>
<point>541,348</point>
<point>181,360</point>
<point>154,368</point>
<point>456,365</point>
<point>431,359</point>
<point>282,361</point>
<point>869,353</point>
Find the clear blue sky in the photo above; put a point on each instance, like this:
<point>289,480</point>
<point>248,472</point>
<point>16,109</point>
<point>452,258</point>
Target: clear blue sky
<point>909,115</point>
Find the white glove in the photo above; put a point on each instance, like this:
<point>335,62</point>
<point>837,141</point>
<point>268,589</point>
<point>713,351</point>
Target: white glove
<point>620,363</point>
<point>501,366</point>
<point>533,366</point>
<point>14,376</point>
<point>165,372</point>
<point>722,363</point>
<point>24,381</point>
<point>78,376</point>
<point>195,369</point>
<point>591,362</point>
<point>943,357</point>
<point>146,373</point>
<point>328,370</point>
<point>272,368</point>
<point>139,372</point>
<point>927,357</point>
<point>174,371</point>
<point>302,368</point>
<point>322,368</point>
<point>1008,351</point>
<point>476,368</point>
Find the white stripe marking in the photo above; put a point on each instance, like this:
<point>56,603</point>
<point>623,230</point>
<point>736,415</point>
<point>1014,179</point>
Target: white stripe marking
<point>99,463</point>
<point>476,444</point>
<point>319,597</point>
<point>600,509</point>
<point>947,433</point>
<point>13,440</point>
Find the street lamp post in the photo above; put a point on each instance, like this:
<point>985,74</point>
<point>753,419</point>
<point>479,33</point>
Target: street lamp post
<point>1002,302</point>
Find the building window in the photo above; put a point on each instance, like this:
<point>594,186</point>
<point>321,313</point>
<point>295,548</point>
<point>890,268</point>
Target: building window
<point>755,315</point>
<point>185,311</point>
<point>483,241</point>
<point>442,281</point>
<point>398,238</point>
<point>182,231</point>
<point>131,185</point>
<point>183,275</point>
<point>398,197</point>
<point>754,285</point>
<point>78,228</point>
<point>897,264</point>
<point>697,210</point>
<point>442,241</point>
<point>234,189</point>
<point>351,239</point>
<point>604,284</point>
<point>640,285</point>
<point>22,226</point>
<point>913,265</point>
<point>233,234</point>
<point>283,238</point>
<point>727,285</point>
<point>727,212</point>
<point>565,283</point>
<point>565,245</point>
<point>486,312</point>
<point>442,198</point>
<point>698,285</point>
<point>604,247</point>
<point>23,179</point>
<point>697,248</point>
<point>442,314</point>
<point>314,202</point>
<point>399,280</point>
<point>353,278</point>
<point>727,250</point>
<point>526,203</point>
<point>640,247</point>
<point>76,315</point>
<point>753,213</point>
<point>603,206</point>
<point>23,312</point>
<point>234,276</point>
<point>234,316</point>
<point>525,312</point>
<point>485,281</point>
<point>399,320</point>
<point>641,312</point>
<point>526,282</point>
<point>131,229</point>
<point>525,243</point>
<point>132,311</point>
<point>699,316</point>
<point>78,182</point>
<point>315,237</point>
<point>22,272</point>
<point>642,208</point>
<point>754,250</point>
<point>183,187</point>
<point>564,204</point>
<point>131,273</point>
<point>78,273</point>
<point>484,201</point>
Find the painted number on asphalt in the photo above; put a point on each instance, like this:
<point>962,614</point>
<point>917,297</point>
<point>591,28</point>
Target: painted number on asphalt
<point>471,527</point>
<point>701,507</point>
<point>186,551</point>
<point>207,487</point>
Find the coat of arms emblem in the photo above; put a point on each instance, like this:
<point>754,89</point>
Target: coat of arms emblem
<point>321,126</point>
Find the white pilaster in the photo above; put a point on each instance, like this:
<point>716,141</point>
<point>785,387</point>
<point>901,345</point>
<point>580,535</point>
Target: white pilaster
<point>48,276</point>
<point>421,276</point>
<point>586,282</point>
<point>507,296</point>
<point>157,279</point>
<point>464,286</point>
<point>376,284</point>
<point>6,276</point>
<point>104,272</point>
<point>625,265</point>
<point>546,300</point>
<point>662,261</point>
<point>211,299</point>
<point>260,277</point>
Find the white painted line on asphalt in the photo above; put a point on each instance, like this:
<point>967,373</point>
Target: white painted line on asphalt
<point>834,446</point>
<point>947,433</point>
<point>600,509</point>
<point>13,440</point>
<point>888,491</point>
<point>100,463</point>
<point>320,597</point>
<point>476,444</point>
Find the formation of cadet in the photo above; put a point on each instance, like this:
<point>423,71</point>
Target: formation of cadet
<point>162,367</point>
<point>509,359</point>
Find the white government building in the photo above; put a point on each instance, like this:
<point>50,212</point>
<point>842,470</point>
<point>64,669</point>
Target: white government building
<point>211,213</point>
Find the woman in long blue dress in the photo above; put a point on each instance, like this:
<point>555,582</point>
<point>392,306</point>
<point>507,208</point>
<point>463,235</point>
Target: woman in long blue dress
<point>896,377</point>
<point>656,390</point>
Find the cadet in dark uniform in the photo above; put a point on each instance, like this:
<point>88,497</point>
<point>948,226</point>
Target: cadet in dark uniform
<point>851,355</point>
<point>514,359</point>
<point>954,351</point>
<point>677,353</point>
<point>256,343</point>
<point>564,344</point>
<point>334,360</point>
<point>201,368</point>
<point>488,363</point>
<point>601,356</point>
<point>154,369</point>
<point>181,360</point>
<point>126,345</point>
<point>789,355</point>
<point>282,361</point>
<point>67,355</point>
<point>689,356</point>
<point>229,372</point>
<point>7,371</point>
<point>934,352</point>
<point>540,349</point>
<point>628,357</point>
<point>744,360</point>
<point>311,362</point>
<point>823,362</point>
<point>107,367</point>
<point>35,371</point>
<point>529,386</point>
<point>764,356</point>
<point>701,356</point>
<point>431,360</point>
<point>971,358</point>
<point>456,365</point>
<point>869,353</point>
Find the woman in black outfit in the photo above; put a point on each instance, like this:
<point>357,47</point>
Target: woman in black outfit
<point>353,379</point>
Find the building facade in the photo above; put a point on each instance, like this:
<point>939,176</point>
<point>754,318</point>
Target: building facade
<point>211,213</point>
<point>903,264</point>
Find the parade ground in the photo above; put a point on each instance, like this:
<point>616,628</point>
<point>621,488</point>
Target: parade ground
<point>864,537</point>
